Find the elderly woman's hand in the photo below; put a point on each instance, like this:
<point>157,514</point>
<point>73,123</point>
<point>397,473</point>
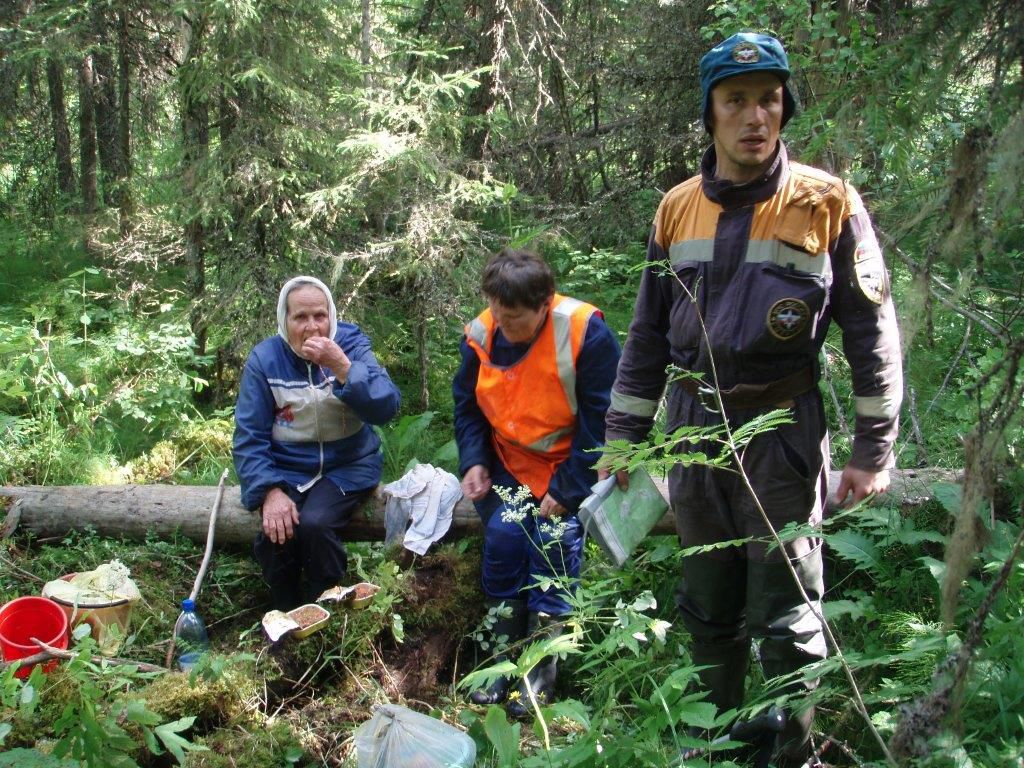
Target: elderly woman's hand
<point>326,352</point>
<point>280,515</point>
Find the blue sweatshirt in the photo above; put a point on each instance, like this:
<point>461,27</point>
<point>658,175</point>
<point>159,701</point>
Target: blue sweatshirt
<point>294,422</point>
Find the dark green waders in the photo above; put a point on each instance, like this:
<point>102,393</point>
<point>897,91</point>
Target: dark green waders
<point>791,636</point>
<point>792,639</point>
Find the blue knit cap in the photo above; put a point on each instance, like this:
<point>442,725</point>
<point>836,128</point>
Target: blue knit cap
<point>745,52</point>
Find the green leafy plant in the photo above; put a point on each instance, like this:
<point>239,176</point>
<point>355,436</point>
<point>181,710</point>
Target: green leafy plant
<point>95,726</point>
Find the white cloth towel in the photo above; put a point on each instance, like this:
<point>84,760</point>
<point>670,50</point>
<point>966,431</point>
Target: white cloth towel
<point>422,499</point>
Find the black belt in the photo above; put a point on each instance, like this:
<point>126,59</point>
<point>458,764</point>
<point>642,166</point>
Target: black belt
<point>779,393</point>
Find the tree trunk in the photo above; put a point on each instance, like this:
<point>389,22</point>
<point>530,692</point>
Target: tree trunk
<point>365,41</point>
<point>561,98</point>
<point>481,102</point>
<point>124,122</point>
<point>11,72</point>
<point>87,136</point>
<point>137,511</point>
<point>107,126</point>
<point>61,134</point>
<point>195,141</point>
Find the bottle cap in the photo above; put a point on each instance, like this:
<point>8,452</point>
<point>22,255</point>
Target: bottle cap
<point>188,604</point>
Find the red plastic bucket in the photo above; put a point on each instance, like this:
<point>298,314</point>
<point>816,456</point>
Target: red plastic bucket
<point>26,617</point>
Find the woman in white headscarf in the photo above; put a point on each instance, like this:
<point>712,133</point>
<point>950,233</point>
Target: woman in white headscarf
<point>304,452</point>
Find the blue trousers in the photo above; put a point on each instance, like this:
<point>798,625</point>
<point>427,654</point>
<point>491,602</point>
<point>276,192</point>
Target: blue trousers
<point>518,555</point>
<point>315,554</point>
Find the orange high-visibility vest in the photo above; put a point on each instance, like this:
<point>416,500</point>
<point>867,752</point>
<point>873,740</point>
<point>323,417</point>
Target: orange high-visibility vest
<point>531,405</point>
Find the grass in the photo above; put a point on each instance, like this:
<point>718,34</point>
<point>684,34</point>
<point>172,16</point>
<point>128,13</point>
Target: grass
<point>35,259</point>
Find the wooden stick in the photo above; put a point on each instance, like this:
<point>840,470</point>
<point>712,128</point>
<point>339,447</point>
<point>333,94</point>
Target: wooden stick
<point>22,571</point>
<point>169,659</point>
<point>49,652</point>
<point>209,537</point>
<point>11,520</point>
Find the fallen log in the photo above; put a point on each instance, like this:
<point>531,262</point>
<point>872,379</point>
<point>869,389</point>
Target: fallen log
<point>135,511</point>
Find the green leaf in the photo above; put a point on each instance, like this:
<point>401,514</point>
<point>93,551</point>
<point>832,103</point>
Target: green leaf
<point>937,568</point>
<point>660,627</point>
<point>177,745</point>
<point>645,601</point>
<point>487,675</point>
<point>30,758</point>
<point>136,712</point>
<point>856,547</point>
<point>855,609</point>
<point>663,551</point>
<point>570,709</point>
<point>909,535</point>
<point>949,496</point>
<point>698,713</point>
<point>502,735</point>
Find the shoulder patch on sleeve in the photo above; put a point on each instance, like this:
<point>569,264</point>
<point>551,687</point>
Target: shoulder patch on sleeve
<point>869,267</point>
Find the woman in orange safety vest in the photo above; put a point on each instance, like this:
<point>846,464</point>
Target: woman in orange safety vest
<point>530,398</point>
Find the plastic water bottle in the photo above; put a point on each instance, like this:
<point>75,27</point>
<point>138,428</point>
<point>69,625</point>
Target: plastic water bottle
<point>190,636</point>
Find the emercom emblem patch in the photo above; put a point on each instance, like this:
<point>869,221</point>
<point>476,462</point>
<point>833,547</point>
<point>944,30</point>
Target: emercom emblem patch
<point>787,318</point>
<point>746,53</point>
<point>870,270</point>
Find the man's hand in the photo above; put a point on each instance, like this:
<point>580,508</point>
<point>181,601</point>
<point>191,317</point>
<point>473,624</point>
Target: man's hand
<point>324,351</point>
<point>550,508</point>
<point>621,477</point>
<point>476,483</point>
<point>280,515</point>
<point>861,483</point>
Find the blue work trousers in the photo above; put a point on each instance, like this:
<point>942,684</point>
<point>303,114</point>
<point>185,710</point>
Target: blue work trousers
<point>315,554</point>
<point>519,555</point>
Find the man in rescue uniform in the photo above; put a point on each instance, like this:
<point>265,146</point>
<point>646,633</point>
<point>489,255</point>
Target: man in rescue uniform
<point>530,400</point>
<point>749,262</point>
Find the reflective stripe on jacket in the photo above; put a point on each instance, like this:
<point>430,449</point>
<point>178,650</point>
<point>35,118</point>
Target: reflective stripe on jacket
<point>531,405</point>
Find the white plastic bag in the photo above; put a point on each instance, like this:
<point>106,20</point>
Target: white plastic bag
<point>110,582</point>
<point>398,737</point>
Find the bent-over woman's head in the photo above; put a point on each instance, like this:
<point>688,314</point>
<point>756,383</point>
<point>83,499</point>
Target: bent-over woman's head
<point>518,279</point>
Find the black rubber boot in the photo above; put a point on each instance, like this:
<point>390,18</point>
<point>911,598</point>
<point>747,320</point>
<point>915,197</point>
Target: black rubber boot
<point>711,599</point>
<point>724,679</point>
<point>726,674</point>
<point>513,627</point>
<point>542,678</point>
<point>793,638</point>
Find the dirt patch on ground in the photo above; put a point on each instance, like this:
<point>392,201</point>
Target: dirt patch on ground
<point>441,605</point>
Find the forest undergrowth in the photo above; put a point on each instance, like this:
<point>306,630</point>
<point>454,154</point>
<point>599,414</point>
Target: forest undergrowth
<point>625,699</point>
